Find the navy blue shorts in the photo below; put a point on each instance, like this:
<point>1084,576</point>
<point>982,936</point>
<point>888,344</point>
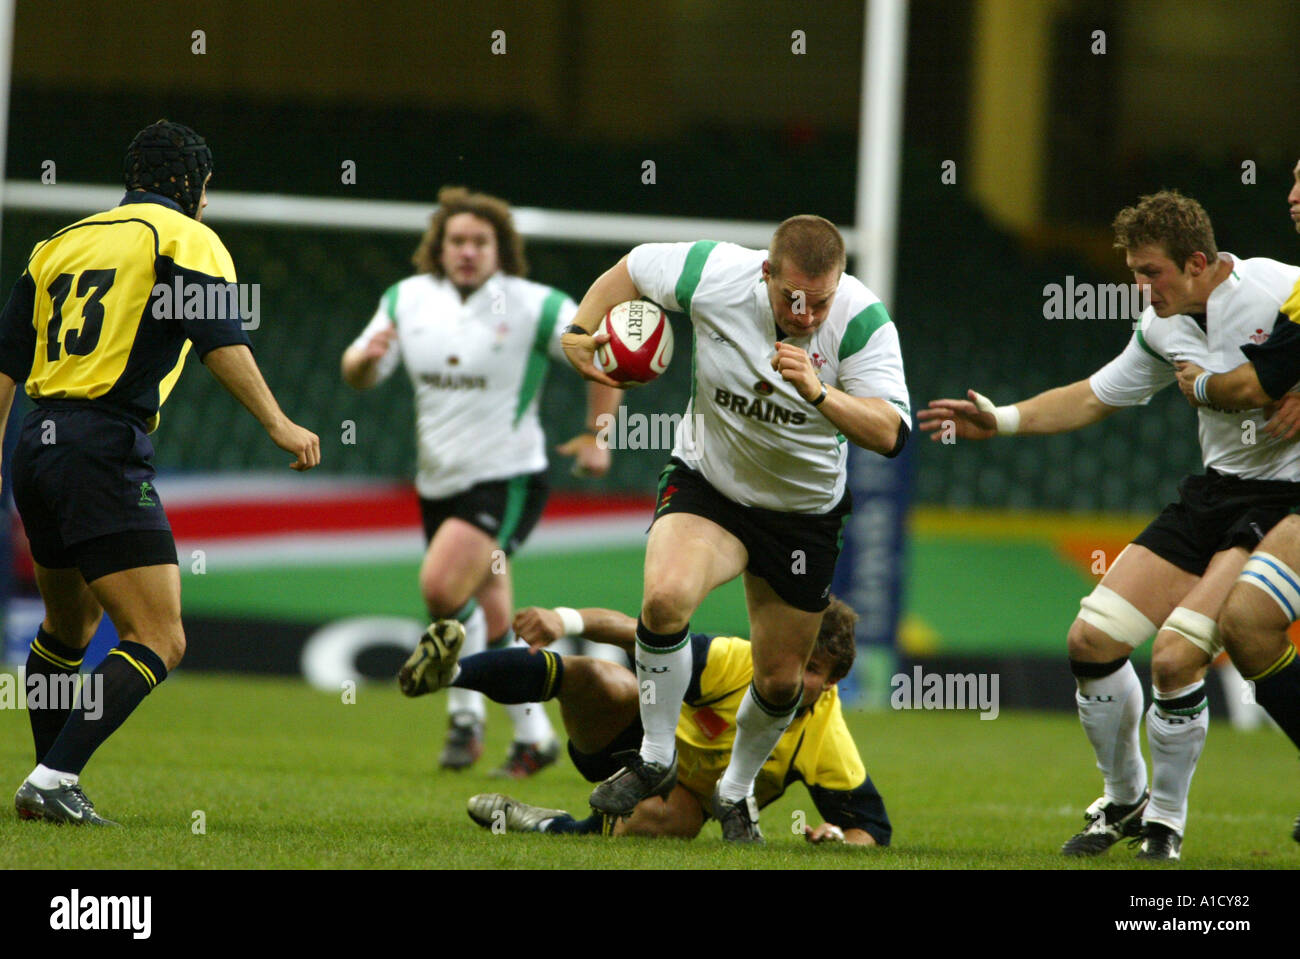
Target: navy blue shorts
<point>81,479</point>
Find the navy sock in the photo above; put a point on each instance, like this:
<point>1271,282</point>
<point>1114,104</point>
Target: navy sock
<point>110,694</point>
<point>510,676</point>
<point>1277,689</point>
<point>49,701</point>
<point>566,824</point>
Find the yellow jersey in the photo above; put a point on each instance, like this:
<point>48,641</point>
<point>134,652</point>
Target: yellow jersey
<point>108,307</point>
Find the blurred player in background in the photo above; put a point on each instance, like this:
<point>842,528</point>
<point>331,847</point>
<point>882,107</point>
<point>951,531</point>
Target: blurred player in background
<point>1265,600</point>
<point>100,351</point>
<point>476,339</point>
<point>792,356</point>
<point>599,703</point>
<point>1179,570</point>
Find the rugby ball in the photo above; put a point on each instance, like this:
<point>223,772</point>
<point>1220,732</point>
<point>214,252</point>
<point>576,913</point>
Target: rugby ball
<point>640,343</point>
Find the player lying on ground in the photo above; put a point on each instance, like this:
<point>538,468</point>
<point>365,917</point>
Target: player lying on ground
<point>794,360</point>
<point>99,350</point>
<point>599,704</point>
<point>1179,570</point>
<point>1265,600</point>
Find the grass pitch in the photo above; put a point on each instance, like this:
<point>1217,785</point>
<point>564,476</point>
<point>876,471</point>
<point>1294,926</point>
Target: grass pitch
<point>282,776</point>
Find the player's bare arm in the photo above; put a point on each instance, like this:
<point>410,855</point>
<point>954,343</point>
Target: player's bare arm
<point>360,366</point>
<point>1237,389</point>
<point>591,458</point>
<point>611,288</point>
<point>540,627</point>
<point>869,422</point>
<point>1058,410</point>
<point>236,370</point>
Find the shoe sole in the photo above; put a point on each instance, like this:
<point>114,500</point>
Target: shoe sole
<point>431,654</point>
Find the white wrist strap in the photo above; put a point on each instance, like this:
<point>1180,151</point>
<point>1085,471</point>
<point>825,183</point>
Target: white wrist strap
<point>1008,417</point>
<point>572,619</point>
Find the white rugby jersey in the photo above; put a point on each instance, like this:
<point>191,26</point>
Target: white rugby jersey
<point>1241,310</point>
<point>477,368</point>
<point>759,442</point>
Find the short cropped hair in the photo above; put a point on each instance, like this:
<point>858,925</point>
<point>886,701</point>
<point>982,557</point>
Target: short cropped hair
<point>812,243</point>
<point>457,199</point>
<point>1170,220</point>
<point>836,639</point>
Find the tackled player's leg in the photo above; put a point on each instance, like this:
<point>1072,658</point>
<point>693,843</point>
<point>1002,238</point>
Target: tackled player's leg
<point>599,708</point>
<point>1138,591</point>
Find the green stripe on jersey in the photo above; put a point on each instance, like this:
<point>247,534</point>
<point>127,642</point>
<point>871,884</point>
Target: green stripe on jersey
<point>538,357</point>
<point>1142,342</point>
<point>861,327</point>
<point>390,303</point>
<point>690,278</point>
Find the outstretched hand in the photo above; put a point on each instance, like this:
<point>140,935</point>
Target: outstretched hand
<point>970,421</point>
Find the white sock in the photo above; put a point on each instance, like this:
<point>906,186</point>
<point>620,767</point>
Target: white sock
<point>662,677</point>
<point>1176,737</point>
<point>530,721</point>
<point>1110,709</point>
<point>470,700</point>
<point>43,777</point>
<point>757,733</point>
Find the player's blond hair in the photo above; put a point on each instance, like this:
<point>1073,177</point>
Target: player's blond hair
<point>836,639</point>
<point>457,199</point>
<point>1170,220</point>
<point>812,243</point>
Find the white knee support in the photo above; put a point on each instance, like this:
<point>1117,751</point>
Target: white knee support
<point>1115,616</point>
<point>1197,628</point>
<point>1278,580</point>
